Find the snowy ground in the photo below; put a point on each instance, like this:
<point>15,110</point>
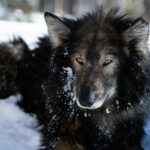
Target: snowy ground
<point>18,129</point>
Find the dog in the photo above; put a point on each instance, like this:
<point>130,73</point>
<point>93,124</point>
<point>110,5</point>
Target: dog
<point>88,82</point>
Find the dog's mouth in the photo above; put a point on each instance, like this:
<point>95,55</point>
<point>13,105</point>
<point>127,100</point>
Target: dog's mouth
<point>98,102</point>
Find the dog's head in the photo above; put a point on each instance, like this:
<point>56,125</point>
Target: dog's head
<point>100,46</point>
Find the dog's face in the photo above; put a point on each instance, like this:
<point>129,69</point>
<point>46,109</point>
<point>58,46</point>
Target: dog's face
<point>96,71</point>
<point>98,46</point>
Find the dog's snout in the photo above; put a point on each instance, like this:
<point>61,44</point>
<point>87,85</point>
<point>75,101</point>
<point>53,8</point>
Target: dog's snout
<point>87,97</point>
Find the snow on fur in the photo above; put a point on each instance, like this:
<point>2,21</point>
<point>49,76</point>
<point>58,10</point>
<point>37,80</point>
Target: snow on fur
<point>146,138</point>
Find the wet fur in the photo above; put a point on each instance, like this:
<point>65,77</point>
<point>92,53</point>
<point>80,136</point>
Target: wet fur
<point>40,77</point>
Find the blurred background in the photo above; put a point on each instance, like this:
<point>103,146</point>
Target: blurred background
<point>25,17</point>
<point>30,10</point>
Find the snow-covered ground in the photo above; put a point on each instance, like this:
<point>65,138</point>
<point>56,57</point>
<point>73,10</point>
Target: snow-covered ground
<point>18,130</point>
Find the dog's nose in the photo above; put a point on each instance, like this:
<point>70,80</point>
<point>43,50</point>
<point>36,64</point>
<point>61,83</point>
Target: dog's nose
<point>87,97</point>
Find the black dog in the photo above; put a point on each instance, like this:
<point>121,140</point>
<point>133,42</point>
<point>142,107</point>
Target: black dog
<point>88,83</point>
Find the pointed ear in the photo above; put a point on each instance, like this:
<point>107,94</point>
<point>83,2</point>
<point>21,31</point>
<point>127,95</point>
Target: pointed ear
<point>137,34</point>
<point>57,29</point>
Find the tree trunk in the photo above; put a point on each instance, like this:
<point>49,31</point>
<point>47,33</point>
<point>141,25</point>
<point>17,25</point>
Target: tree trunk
<point>147,9</point>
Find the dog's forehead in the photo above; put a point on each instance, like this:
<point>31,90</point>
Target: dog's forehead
<point>96,38</point>
<point>97,27</point>
<point>95,46</point>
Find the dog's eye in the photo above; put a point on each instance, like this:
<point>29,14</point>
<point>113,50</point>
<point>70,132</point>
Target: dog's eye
<point>79,60</point>
<point>107,62</point>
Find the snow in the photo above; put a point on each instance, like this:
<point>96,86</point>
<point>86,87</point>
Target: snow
<point>69,71</point>
<point>146,139</point>
<point>18,129</point>
<point>107,111</point>
<point>28,31</point>
<point>85,115</point>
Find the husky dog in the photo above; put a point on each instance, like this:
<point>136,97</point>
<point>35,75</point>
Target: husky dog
<point>88,82</point>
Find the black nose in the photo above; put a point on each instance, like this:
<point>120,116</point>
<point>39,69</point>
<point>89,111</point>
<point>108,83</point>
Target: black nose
<point>87,97</point>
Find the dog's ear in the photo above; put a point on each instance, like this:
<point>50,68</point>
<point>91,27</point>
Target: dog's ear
<point>137,35</point>
<point>57,29</point>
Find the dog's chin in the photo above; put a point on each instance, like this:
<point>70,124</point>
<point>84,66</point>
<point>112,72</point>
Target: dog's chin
<point>97,104</point>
